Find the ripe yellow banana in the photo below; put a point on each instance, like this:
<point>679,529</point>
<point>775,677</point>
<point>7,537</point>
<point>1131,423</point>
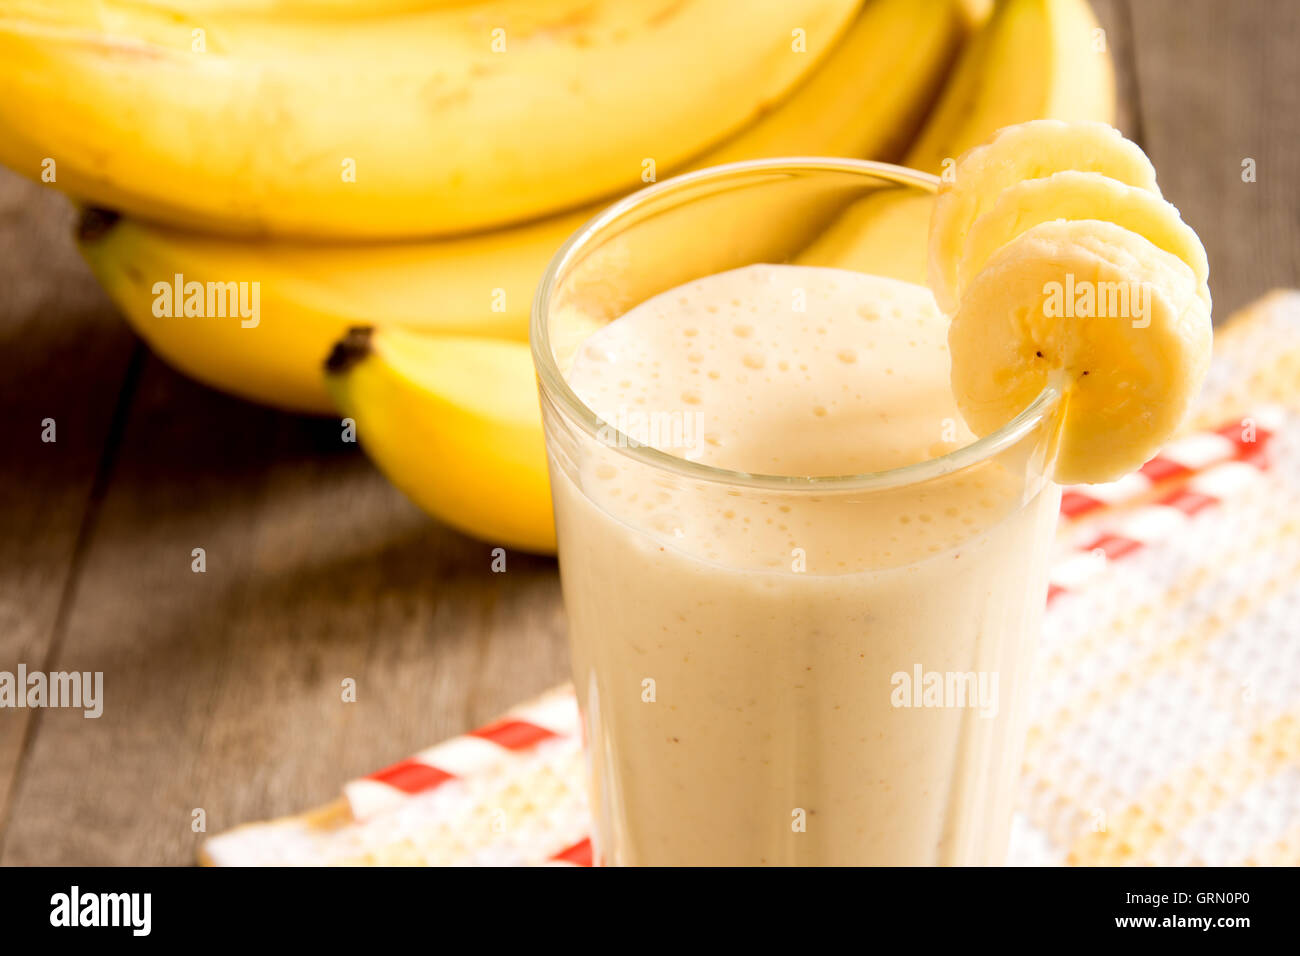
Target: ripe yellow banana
<point>430,122</point>
<point>1033,59</point>
<point>454,423</point>
<point>308,296</point>
<point>862,100</point>
<point>295,8</point>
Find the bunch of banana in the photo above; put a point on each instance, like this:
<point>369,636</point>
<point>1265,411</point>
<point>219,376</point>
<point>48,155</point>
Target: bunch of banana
<point>864,98</point>
<point>420,122</point>
<point>230,137</point>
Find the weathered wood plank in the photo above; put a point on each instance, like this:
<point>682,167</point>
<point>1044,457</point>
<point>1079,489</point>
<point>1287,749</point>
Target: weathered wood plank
<point>223,688</point>
<point>66,356</point>
<point>1219,83</point>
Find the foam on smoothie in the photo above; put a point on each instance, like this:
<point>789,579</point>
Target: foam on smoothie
<point>796,371</point>
<point>793,370</point>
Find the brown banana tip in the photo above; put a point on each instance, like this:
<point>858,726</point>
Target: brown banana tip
<point>349,350</point>
<point>95,223</point>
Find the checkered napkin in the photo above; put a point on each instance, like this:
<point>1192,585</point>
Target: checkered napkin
<point>1166,720</point>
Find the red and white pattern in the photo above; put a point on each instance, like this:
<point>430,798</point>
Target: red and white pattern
<point>1231,456</point>
<point>1234,441</point>
<point>460,757</point>
<point>552,718</point>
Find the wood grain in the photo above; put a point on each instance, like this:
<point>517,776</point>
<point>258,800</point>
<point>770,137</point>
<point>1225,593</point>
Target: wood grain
<point>66,357</point>
<point>1219,83</point>
<point>223,688</point>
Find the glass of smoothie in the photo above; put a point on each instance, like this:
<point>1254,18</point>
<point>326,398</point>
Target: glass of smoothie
<point>803,600</point>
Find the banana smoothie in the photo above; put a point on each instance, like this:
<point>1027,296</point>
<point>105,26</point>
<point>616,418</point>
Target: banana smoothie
<point>787,672</point>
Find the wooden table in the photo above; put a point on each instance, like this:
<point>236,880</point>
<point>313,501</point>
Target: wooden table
<point>223,690</point>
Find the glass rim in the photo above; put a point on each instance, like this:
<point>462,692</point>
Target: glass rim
<point>556,387</point>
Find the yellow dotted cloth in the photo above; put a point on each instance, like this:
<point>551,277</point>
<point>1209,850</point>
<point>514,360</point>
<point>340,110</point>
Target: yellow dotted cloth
<point>1166,720</point>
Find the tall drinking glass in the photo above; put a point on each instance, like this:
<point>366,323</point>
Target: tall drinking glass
<point>845,682</point>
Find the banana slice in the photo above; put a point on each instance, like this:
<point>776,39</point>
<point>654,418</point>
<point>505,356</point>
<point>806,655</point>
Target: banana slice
<point>1102,314</point>
<point>1025,151</point>
<point>1078,195</point>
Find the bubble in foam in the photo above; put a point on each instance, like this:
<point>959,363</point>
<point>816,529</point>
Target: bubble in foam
<point>669,523</point>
